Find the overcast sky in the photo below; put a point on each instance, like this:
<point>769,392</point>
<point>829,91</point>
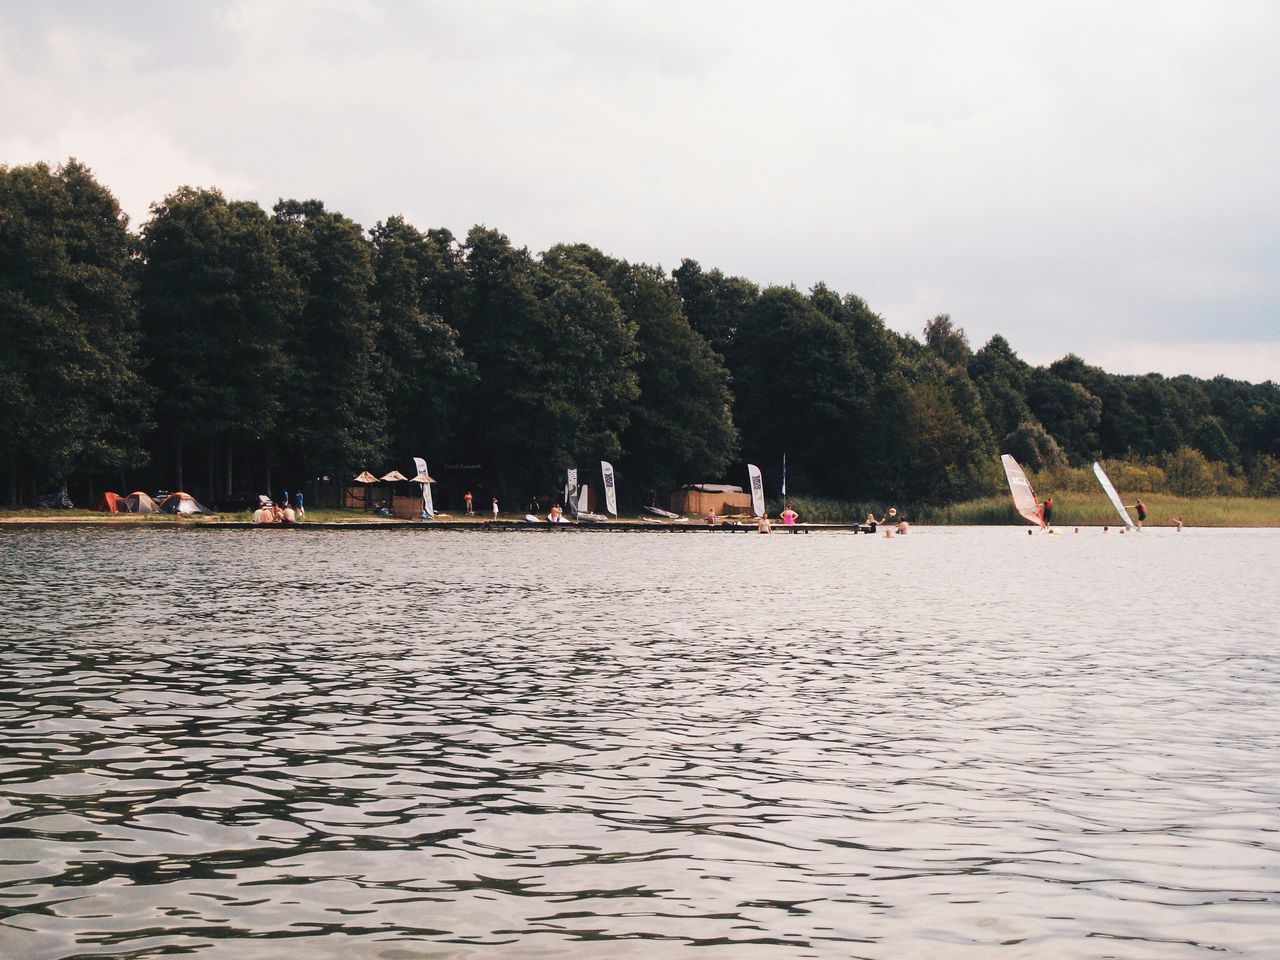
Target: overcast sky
<point>1097,178</point>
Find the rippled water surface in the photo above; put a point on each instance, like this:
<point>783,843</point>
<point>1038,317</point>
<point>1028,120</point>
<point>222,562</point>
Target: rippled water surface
<point>961,743</point>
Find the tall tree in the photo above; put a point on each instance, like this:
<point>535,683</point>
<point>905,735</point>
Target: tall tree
<point>555,355</point>
<point>681,424</point>
<point>421,364</point>
<point>215,303</point>
<point>336,416</point>
<point>71,397</point>
<point>801,390</point>
<point>716,305</point>
<point>947,341</point>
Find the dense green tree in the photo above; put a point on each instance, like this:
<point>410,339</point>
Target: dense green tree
<point>1033,447</point>
<point>215,303</point>
<point>1210,439</point>
<point>422,370</point>
<point>71,397</point>
<point>681,424</point>
<point>336,415</point>
<point>1001,378</point>
<point>947,341</point>
<point>1068,411</point>
<point>715,305</point>
<point>555,356</point>
<point>801,390</point>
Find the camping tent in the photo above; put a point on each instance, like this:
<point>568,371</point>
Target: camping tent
<point>183,503</point>
<point>109,503</point>
<point>138,502</point>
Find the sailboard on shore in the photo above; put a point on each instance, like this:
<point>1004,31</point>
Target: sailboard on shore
<point>1111,493</point>
<point>659,512</point>
<point>1024,498</point>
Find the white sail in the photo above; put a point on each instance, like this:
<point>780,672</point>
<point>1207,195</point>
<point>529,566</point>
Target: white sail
<point>610,493</point>
<point>757,489</point>
<point>1024,498</point>
<point>1111,493</point>
<point>584,499</point>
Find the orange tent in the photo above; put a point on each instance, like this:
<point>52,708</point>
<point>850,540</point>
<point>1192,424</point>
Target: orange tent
<point>109,503</point>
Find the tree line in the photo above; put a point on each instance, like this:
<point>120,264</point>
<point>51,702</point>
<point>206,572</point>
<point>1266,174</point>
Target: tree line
<point>224,348</point>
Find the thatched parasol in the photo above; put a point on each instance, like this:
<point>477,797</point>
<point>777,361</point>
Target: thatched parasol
<point>364,477</point>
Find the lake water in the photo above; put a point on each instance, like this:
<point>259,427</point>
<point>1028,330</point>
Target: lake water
<point>399,745</point>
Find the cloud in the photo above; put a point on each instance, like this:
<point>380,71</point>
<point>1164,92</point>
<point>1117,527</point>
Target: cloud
<point>1256,362</point>
<point>1069,177</point>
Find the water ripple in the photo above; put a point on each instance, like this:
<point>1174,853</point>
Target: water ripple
<point>408,745</point>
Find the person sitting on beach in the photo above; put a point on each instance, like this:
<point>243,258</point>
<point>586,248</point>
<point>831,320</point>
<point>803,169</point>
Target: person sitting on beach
<point>789,517</point>
<point>555,515</point>
<point>711,518</point>
<point>263,514</point>
<point>289,516</point>
<point>763,525</point>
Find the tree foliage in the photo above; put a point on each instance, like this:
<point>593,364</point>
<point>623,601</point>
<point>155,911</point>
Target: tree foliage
<point>226,343</point>
<point>71,395</point>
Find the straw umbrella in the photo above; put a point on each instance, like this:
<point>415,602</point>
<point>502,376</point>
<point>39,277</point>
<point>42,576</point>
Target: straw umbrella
<point>394,477</point>
<point>364,477</point>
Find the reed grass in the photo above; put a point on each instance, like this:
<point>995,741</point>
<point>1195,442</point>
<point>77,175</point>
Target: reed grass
<point>1074,509</point>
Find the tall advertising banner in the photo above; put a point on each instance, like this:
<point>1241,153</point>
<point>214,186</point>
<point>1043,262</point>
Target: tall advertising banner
<point>610,494</point>
<point>570,487</point>
<point>757,489</point>
<point>428,508</point>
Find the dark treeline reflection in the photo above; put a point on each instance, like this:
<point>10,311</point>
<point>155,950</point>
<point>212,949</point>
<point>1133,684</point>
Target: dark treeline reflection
<point>227,349</point>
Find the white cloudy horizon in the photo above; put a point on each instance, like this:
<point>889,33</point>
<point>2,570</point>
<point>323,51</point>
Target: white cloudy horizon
<point>1097,180</point>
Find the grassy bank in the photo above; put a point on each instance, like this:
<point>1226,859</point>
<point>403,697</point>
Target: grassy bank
<point>1086,509</point>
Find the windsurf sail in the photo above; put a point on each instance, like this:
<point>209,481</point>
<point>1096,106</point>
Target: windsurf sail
<point>610,491</point>
<point>1111,493</point>
<point>1024,498</point>
<point>757,490</point>
<point>584,499</point>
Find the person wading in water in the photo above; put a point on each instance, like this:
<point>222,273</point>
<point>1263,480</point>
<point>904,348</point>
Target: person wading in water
<point>1142,511</point>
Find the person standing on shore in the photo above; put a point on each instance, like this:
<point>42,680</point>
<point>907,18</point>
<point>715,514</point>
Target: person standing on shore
<point>1046,511</point>
<point>469,503</point>
<point>495,508</point>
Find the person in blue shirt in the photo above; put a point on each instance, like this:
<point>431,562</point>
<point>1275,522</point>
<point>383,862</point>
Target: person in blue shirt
<point>297,504</point>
